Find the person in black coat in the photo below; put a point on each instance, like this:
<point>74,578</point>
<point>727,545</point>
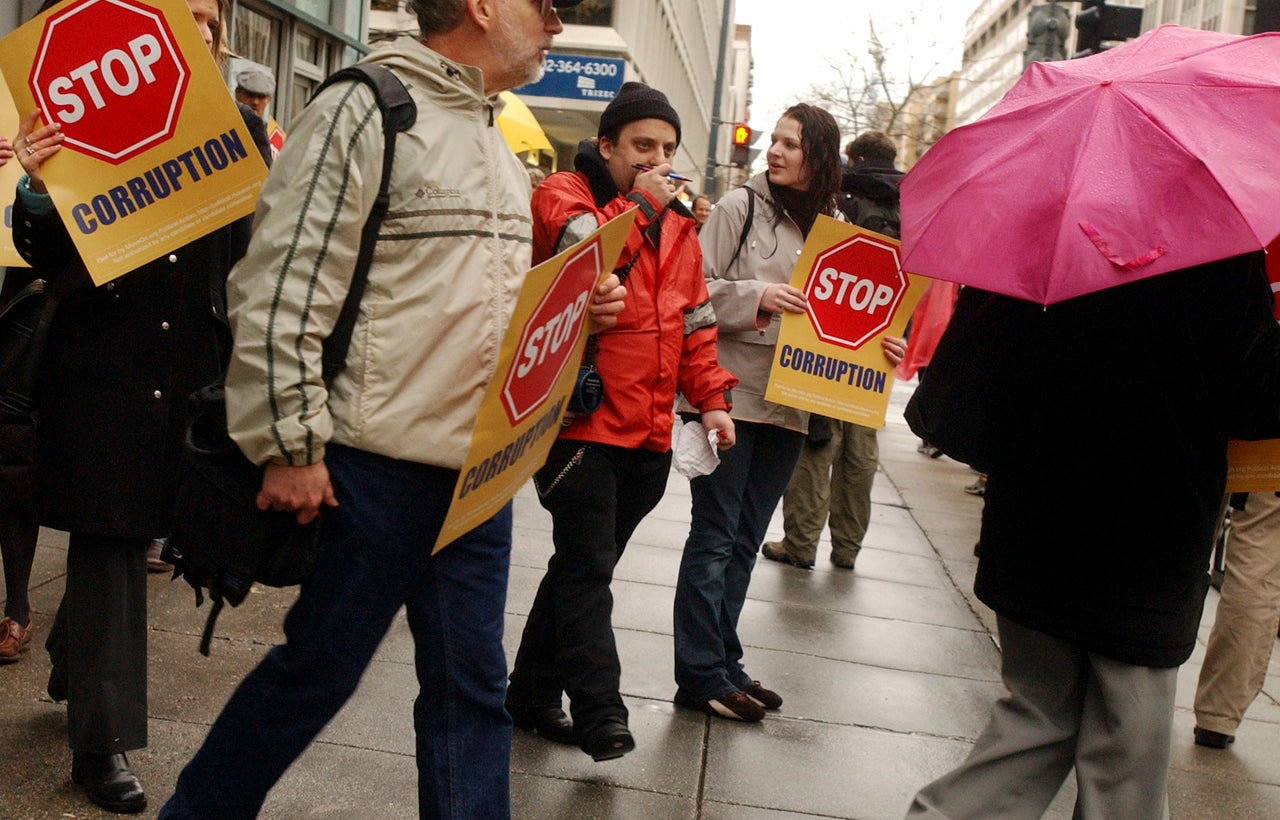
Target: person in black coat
<point>1109,419</point>
<point>118,366</point>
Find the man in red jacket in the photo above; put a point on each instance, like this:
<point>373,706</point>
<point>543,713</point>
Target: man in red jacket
<point>609,468</point>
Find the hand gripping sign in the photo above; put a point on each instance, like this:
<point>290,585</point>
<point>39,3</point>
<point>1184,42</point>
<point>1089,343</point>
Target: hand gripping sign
<point>155,153</point>
<point>829,360</point>
<point>520,414</point>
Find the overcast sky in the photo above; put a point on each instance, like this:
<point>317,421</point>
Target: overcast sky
<point>793,49</point>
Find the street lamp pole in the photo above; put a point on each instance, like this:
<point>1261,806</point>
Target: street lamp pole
<point>709,183</point>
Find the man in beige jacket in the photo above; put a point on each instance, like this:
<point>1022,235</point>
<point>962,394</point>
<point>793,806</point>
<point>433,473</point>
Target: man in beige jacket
<point>379,449</point>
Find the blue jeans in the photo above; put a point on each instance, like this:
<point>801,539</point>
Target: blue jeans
<point>376,557</point>
<point>731,511</point>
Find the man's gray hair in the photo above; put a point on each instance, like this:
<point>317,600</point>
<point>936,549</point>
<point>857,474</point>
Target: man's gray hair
<point>437,16</point>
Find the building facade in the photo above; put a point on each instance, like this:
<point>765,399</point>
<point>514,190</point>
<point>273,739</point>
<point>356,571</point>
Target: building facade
<point>996,34</point>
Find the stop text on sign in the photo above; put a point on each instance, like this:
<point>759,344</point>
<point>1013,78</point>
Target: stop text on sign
<point>122,72</point>
<point>847,289</point>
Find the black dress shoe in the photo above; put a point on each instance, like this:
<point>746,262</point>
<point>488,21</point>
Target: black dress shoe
<point>108,781</point>
<point>607,741</point>
<point>549,721</point>
<point>1212,739</point>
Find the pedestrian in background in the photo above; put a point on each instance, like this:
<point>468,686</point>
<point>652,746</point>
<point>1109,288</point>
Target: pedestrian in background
<point>609,468</point>
<point>119,363</point>
<point>379,449</point>
<point>701,210</point>
<point>837,465</point>
<point>1245,624</point>
<point>748,282</point>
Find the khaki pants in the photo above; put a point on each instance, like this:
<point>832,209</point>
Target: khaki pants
<point>1244,630</point>
<point>831,480</point>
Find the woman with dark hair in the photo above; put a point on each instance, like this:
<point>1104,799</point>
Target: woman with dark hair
<point>119,363</point>
<point>748,275</point>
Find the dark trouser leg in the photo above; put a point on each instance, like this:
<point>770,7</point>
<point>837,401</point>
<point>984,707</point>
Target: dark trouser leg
<point>372,545</point>
<point>99,640</point>
<point>568,641</point>
<point>18,532</point>
<point>463,733</point>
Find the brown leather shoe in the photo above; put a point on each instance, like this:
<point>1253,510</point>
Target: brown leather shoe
<point>14,640</point>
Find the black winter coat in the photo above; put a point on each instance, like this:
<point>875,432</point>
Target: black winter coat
<point>1105,486</point>
<point>119,365</point>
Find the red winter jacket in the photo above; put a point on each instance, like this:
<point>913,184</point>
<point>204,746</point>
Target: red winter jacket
<point>665,339</point>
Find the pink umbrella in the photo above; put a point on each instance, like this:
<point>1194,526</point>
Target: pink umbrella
<point>1155,156</point>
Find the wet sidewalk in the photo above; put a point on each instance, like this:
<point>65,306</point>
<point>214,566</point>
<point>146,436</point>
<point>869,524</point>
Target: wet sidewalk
<point>887,673</point>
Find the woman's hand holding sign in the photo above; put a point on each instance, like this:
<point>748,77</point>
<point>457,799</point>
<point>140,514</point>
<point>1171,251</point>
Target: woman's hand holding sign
<point>34,145</point>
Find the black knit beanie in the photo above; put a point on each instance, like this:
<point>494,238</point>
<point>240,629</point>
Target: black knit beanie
<point>637,101</point>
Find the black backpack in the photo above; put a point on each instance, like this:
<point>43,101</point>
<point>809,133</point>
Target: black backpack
<point>221,541</point>
<point>879,215</point>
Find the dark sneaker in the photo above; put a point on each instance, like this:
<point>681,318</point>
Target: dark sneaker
<point>736,705</point>
<point>841,562</point>
<point>765,697</point>
<point>1212,739</point>
<point>774,551</point>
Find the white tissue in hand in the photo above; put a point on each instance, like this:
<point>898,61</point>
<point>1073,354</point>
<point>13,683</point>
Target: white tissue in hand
<point>695,452</point>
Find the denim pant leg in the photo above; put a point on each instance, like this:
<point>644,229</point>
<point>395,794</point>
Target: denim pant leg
<point>375,547</point>
<point>456,612</point>
<point>716,566</point>
<point>776,452</point>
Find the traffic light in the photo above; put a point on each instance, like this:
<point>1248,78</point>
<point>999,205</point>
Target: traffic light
<point>741,145</point>
<point>1098,25</point>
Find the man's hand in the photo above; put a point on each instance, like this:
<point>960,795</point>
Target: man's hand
<point>894,349</point>
<point>296,489</point>
<point>655,183</point>
<point>719,421</point>
<point>607,302</point>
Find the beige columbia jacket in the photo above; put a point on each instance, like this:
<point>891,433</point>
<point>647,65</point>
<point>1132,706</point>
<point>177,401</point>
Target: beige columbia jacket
<point>451,257</point>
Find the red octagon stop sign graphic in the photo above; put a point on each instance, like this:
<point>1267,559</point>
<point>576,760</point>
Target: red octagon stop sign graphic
<point>110,72</point>
<point>550,335</point>
<point>855,291</point>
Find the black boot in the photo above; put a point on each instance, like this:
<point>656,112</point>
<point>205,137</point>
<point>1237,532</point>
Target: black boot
<point>108,781</point>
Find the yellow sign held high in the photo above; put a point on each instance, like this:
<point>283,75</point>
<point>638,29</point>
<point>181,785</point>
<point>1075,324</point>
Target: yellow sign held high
<point>155,153</point>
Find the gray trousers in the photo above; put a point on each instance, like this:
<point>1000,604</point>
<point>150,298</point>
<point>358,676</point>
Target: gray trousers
<point>1066,707</point>
<point>1244,629</point>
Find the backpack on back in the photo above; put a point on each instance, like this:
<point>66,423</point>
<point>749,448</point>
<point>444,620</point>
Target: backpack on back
<point>879,215</point>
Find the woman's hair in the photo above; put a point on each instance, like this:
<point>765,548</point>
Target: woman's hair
<point>221,44</point>
<point>437,16</point>
<point>820,141</point>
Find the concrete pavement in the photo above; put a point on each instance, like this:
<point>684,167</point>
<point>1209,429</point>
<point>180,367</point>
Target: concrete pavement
<point>887,673</point>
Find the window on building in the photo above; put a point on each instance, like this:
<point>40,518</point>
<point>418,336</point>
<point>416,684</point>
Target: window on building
<point>589,13</point>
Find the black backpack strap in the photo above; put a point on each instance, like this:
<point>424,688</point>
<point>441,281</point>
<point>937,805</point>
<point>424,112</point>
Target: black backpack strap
<point>746,227</point>
<point>398,114</point>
